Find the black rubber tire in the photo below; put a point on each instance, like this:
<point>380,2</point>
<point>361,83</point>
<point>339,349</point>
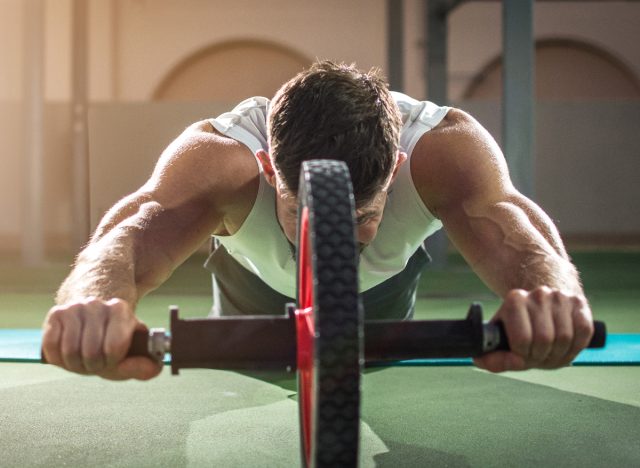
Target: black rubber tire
<point>325,188</point>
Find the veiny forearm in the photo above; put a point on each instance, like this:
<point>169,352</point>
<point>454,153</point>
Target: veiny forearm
<point>528,268</point>
<point>519,248</point>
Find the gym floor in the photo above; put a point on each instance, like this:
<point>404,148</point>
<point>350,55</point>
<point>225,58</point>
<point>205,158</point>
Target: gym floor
<point>416,416</point>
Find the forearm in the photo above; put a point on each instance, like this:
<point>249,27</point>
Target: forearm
<point>550,264</point>
<point>517,247</point>
<point>137,254</point>
<point>104,270</point>
<point>528,269</point>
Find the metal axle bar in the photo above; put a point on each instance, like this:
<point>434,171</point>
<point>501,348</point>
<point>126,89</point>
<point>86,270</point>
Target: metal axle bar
<point>269,342</point>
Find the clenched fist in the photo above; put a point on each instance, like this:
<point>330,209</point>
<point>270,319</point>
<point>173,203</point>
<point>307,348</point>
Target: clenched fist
<point>546,328</point>
<point>93,336</point>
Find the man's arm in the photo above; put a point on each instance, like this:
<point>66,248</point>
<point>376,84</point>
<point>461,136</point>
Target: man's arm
<point>508,240</point>
<point>137,245</point>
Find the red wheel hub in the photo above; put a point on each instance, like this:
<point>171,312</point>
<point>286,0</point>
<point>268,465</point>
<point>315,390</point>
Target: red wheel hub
<point>305,333</point>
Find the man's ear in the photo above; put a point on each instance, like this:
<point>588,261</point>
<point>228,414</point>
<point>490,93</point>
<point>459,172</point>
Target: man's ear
<point>400,160</point>
<point>267,167</point>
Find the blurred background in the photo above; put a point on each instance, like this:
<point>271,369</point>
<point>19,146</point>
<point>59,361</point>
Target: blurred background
<point>91,91</point>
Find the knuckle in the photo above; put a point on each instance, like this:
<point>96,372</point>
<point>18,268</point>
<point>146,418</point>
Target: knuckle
<point>558,297</point>
<point>56,309</point>
<point>72,310</point>
<point>540,294</point>
<point>91,301</point>
<point>118,308</point>
<point>60,312</point>
<point>515,296</point>
<point>75,315</point>
<point>116,301</point>
<point>546,290</point>
<point>579,302</point>
<point>56,313</point>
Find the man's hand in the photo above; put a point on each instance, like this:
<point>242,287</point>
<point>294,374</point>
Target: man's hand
<point>93,337</point>
<point>546,328</point>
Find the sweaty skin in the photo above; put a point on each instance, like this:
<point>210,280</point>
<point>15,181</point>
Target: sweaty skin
<point>205,183</point>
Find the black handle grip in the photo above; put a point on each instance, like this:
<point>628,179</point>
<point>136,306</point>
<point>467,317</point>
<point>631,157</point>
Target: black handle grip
<point>140,344</point>
<point>598,340</point>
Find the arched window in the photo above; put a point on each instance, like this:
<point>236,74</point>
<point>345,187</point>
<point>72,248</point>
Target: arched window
<point>230,72</point>
<point>565,70</point>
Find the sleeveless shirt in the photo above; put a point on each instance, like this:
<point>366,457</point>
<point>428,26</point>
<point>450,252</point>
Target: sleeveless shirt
<point>260,245</point>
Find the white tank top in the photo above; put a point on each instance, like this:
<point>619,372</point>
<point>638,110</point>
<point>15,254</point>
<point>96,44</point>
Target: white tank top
<point>260,245</point>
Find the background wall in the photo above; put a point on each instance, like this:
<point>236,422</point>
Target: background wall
<point>476,40</point>
<point>586,167</point>
<point>143,51</point>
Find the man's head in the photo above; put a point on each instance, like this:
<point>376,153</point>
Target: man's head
<point>334,111</point>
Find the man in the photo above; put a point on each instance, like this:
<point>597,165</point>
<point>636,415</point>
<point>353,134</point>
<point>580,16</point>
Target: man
<point>415,167</point>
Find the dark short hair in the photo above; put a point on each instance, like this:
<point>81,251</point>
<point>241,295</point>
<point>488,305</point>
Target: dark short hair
<point>335,111</point>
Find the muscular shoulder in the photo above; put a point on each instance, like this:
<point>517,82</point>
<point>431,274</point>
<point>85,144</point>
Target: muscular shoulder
<point>204,166</point>
<point>457,160</point>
